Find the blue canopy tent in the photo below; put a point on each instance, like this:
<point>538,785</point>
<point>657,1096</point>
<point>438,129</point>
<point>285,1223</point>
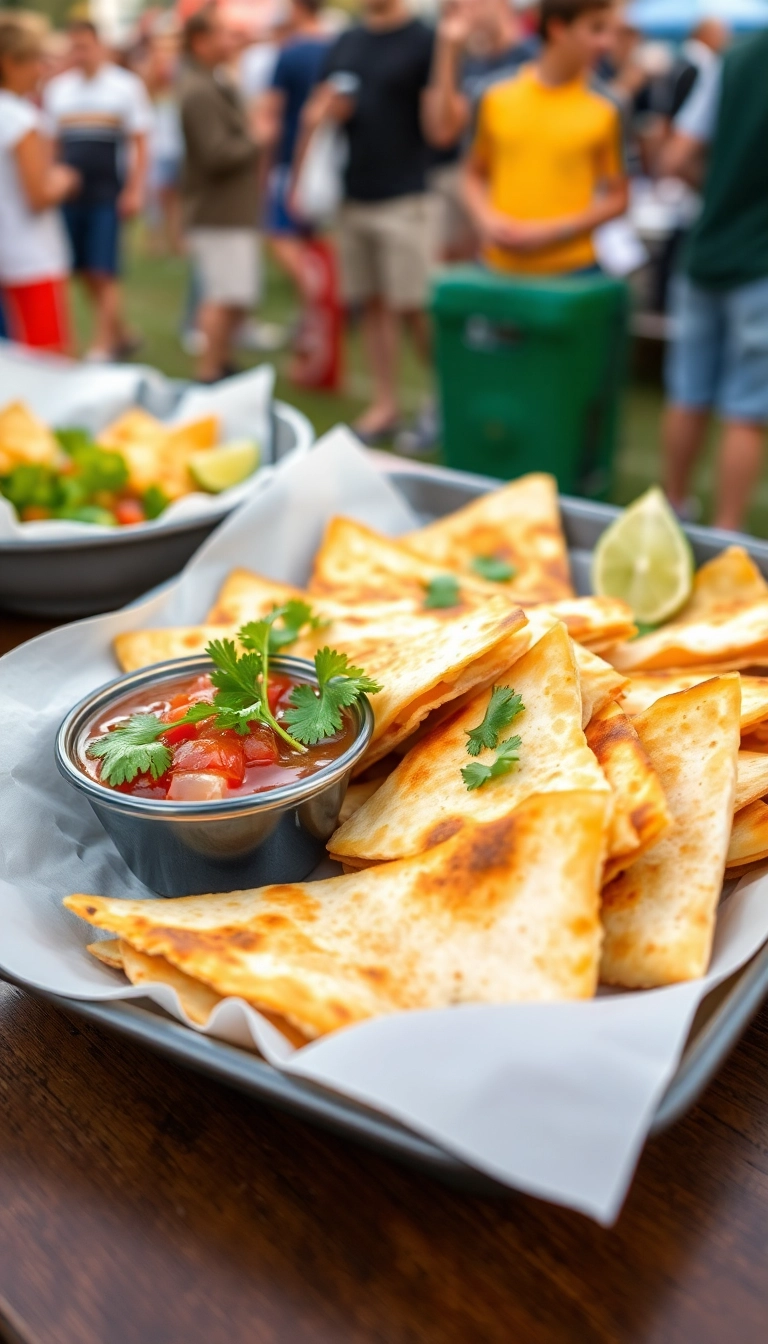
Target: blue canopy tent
<point>676,18</point>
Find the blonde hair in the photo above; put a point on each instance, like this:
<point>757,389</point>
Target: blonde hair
<point>22,35</point>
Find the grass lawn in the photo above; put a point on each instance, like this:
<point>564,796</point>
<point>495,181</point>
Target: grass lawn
<point>155,288</point>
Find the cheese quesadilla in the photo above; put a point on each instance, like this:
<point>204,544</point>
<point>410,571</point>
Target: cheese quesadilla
<point>659,916</point>
<point>518,525</point>
<point>503,913</point>
<point>749,837</point>
<point>723,626</point>
<point>640,811</point>
<point>645,688</point>
<point>752,778</point>
<point>426,799</point>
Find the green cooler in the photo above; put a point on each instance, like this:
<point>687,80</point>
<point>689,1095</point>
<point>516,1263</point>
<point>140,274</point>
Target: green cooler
<point>530,372</point>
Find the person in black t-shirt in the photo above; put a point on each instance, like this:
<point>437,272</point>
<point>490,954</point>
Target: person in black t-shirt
<point>386,235</point>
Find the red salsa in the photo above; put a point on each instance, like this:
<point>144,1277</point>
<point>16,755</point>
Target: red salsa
<point>209,763</point>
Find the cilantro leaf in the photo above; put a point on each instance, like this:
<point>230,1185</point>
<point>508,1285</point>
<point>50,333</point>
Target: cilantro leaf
<point>233,672</point>
<point>493,568</point>
<point>316,713</point>
<point>507,757</point>
<point>503,707</point>
<point>294,617</point>
<point>132,748</point>
<point>443,591</point>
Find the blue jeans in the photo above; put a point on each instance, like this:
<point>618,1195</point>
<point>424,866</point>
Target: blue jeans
<point>718,358</point>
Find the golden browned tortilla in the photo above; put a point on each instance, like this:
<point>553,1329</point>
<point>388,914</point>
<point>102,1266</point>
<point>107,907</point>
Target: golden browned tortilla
<point>724,625</point>
<point>659,916</point>
<point>426,799</point>
<point>500,913</point>
<point>640,811</point>
<point>519,524</point>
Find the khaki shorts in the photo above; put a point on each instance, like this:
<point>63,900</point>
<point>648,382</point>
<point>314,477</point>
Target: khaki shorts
<point>386,250</point>
<point>228,265</point>
<point>455,234</point>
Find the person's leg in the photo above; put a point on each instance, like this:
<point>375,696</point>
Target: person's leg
<point>362,287</point>
<point>104,292</point>
<point>683,432</point>
<point>742,401</point>
<point>289,253</point>
<point>380,339</point>
<point>213,325</point>
<point>692,372</point>
<point>739,465</point>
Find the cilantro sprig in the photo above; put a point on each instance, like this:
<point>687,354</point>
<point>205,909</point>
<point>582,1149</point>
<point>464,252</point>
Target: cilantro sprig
<point>507,757</point>
<point>316,713</point>
<point>241,681</point>
<point>132,748</point>
<point>493,568</point>
<point>503,708</point>
<point>443,591</point>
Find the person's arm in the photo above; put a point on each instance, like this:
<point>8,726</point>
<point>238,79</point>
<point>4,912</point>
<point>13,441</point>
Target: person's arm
<point>217,148</point>
<point>445,110</point>
<point>43,182</point>
<point>685,153</point>
<point>267,115</point>
<point>130,202</point>
<point>325,106</point>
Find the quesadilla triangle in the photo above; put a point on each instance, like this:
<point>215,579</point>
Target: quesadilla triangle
<point>425,799</point>
<point>659,916</point>
<point>600,682</point>
<point>245,597</point>
<point>751,778</point>
<point>355,564</point>
<point>640,811</point>
<point>107,951</point>
<point>749,836</point>
<point>503,913</point>
<point>645,688</point>
<point>518,526</point>
<point>135,649</point>
<point>597,622</point>
<point>723,626</point>
<point>421,659</point>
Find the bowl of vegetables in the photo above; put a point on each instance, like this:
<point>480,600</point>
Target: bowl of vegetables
<point>91,520</point>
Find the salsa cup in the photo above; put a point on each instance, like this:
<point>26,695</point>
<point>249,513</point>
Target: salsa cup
<point>189,848</point>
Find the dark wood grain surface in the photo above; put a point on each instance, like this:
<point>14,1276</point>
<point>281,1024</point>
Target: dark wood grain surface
<point>140,1204</point>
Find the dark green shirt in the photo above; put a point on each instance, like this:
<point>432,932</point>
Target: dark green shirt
<point>729,242</point>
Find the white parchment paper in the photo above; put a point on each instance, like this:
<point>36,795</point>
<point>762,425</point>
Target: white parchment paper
<point>89,396</point>
<point>553,1099</point>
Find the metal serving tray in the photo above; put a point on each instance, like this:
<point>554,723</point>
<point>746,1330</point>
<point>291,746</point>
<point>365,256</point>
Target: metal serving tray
<point>719,1023</point>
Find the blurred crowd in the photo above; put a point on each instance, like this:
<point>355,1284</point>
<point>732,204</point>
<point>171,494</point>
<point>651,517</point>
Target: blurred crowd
<point>534,139</point>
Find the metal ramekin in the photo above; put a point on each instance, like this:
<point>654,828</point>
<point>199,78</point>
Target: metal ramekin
<point>186,849</point>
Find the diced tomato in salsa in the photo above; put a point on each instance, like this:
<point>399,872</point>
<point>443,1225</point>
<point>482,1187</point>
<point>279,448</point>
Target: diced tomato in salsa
<point>207,762</point>
<point>278,691</point>
<point>217,755</point>
<point>260,747</point>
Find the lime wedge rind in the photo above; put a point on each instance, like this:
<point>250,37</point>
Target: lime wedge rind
<point>219,469</point>
<point>645,559</point>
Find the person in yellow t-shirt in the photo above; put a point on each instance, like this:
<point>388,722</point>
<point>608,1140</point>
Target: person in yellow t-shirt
<point>546,166</point>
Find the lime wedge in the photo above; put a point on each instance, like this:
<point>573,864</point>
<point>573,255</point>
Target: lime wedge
<point>217,469</point>
<point>645,559</point>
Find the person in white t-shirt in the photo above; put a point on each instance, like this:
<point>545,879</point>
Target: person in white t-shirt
<point>34,257</point>
<point>101,115</point>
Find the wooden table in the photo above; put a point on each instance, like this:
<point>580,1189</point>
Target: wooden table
<point>140,1204</point>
